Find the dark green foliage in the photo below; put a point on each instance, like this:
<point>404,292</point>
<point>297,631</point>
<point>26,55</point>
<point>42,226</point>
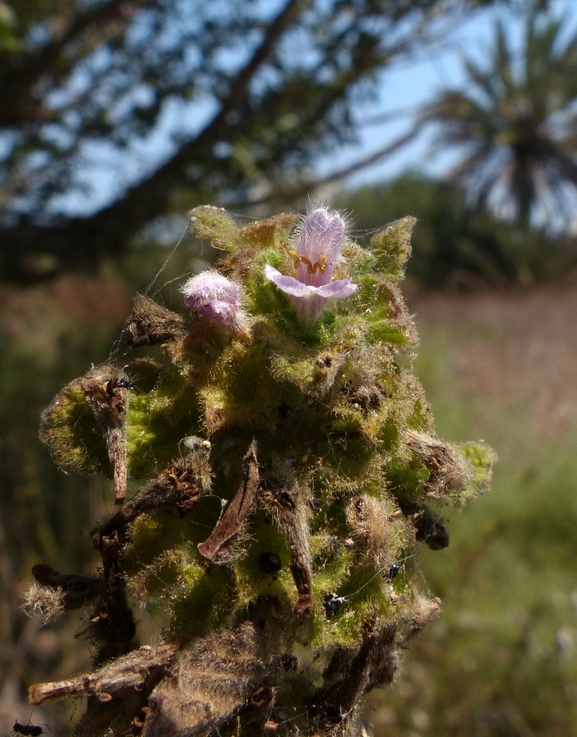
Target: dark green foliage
<point>456,245</point>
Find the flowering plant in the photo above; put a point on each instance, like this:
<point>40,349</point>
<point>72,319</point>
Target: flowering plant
<point>281,473</point>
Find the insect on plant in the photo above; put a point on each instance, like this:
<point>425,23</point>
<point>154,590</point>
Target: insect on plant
<point>29,730</point>
<point>333,603</point>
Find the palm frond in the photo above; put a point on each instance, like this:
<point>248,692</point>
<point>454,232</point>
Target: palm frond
<point>517,123</point>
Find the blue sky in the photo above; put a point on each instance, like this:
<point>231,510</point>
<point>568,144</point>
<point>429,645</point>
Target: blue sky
<point>405,86</point>
<point>415,83</point>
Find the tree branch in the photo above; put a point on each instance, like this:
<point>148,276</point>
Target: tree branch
<point>23,70</point>
<point>303,188</point>
<point>81,240</point>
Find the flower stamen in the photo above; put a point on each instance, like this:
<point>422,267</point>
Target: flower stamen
<point>320,265</point>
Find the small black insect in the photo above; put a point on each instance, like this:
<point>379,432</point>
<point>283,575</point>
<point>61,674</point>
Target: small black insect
<point>269,562</point>
<point>118,382</point>
<point>125,384</point>
<point>28,729</point>
<point>394,569</point>
<point>332,604</point>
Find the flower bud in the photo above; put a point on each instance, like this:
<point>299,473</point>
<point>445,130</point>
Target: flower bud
<point>215,297</point>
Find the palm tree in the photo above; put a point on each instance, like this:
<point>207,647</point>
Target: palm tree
<point>517,125</point>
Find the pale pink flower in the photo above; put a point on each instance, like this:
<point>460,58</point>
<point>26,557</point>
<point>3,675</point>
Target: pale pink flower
<point>317,254</point>
<point>215,297</point>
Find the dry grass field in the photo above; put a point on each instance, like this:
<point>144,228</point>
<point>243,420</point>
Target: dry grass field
<point>516,350</point>
<point>500,661</point>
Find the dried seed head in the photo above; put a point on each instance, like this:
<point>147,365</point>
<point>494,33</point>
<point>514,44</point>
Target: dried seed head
<point>150,323</point>
<point>449,471</point>
<point>44,602</point>
<point>371,526</point>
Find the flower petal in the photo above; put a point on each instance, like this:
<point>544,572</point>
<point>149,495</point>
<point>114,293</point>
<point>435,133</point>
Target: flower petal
<point>287,284</point>
<point>337,289</point>
<point>321,239</point>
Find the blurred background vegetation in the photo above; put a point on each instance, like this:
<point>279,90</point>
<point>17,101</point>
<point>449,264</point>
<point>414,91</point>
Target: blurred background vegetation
<point>117,116</point>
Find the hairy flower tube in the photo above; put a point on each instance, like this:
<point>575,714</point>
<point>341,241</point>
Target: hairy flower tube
<point>317,254</point>
<point>215,297</point>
